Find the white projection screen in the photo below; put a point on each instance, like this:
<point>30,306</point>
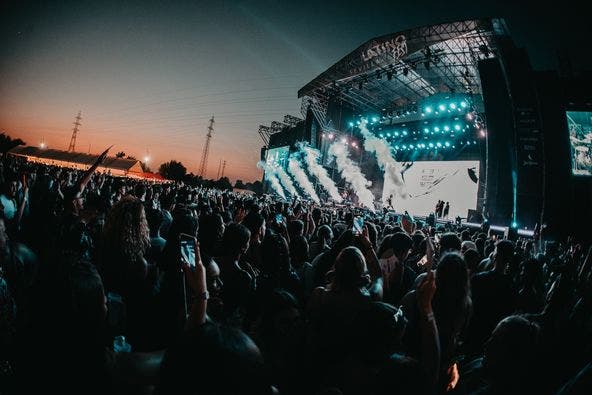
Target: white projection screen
<point>426,182</point>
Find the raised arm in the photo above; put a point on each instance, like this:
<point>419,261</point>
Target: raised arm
<point>23,204</point>
<point>81,183</point>
<point>376,289</point>
<point>430,343</point>
<point>197,282</point>
<point>310,224</point>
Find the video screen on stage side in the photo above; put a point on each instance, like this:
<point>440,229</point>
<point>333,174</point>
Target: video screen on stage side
<point>426,182</point>
<point>278,157</point>
<point>579,124</point>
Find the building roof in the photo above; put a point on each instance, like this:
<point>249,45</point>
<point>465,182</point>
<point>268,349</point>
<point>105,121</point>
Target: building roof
<point>75,157</point>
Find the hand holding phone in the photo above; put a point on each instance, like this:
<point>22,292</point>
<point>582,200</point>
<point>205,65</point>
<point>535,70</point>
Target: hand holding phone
<point>358,225</point>
<point>187,247</point>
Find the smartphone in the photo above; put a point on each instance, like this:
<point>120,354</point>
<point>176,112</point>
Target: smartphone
<point>279,219</point>
<point>187,245</point>
<point>358,225</point>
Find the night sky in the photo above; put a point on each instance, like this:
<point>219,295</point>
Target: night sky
<point>148,75</point>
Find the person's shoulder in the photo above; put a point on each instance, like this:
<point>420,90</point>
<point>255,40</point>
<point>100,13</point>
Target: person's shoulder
<point>25,253</point>
<point>318,293</point>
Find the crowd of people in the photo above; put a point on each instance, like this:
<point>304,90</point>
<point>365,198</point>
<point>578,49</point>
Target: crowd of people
<point>100,292</point>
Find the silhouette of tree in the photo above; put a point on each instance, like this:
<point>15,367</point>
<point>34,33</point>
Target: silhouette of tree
<point>120,154</point>
<point>145,167</point>
<point>7,143</point>
<point>172,170</point>
<point>239,184</point>
<point>256,187</point>
<point>224,184</point>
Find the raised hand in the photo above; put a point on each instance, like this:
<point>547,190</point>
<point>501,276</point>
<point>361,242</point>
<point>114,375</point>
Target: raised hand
<point>364,238</point>
<point>429,253</point>
<point>103,155</point>
<point>194,277</point>
<point>425,292</point>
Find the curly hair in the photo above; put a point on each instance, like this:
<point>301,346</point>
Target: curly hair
<point>126,231</point>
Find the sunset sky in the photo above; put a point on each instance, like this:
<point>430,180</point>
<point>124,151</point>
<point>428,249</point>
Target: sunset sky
<point>147,76</point>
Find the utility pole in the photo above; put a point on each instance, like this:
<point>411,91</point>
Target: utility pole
<point>219,167</point>
<point>223,167</point>
<point>72,146</point>
<point>203,166</point>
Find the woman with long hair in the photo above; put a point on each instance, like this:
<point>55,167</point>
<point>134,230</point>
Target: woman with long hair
<point>452,307</point>
<point>126,239</point>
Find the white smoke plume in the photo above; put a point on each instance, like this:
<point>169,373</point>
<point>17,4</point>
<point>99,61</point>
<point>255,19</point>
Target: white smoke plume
<point>352,174</point>
<point>286,181</point>
<point>301,178</point>
<point>384,158</point>
<point>312,160</point>
<point>272,178</point>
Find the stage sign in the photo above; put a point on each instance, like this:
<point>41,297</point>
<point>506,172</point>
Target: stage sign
<point>278,157</point>
<point>579,124</point>
<point>426,182</point>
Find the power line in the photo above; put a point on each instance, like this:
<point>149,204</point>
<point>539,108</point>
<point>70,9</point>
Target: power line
<point>231,92</point>
<point>219,168</point>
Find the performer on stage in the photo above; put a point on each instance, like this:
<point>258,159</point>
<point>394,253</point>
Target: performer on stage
<point>389,202</point>
<point>446,210</point>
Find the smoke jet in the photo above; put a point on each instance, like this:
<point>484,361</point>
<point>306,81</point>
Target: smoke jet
<point>384,157</point>
<point>312,160</point>
<point>272,178</point>
<point>352,174</point>
<point>301,178</point>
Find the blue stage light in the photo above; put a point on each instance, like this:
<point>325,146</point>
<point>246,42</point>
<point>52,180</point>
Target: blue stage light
<point>431,145</point>
<point>457,127</point>
<point>397,134</point>
<point>381,135</point>
<point>374,119</point>
<point>428,109</point>
<point>463,104</point>
<point>396,147</point>
<point>453,106</point>
<point>426,130</point>
<point>447,128</point>
<point>441,107</point>
<point>436,129</point>
<point>438,144</point>
<point>388,135</point>
<point>447,144</point>
<point>404,146</point>
<point>351,124</point>
<point>514,224</point>
<point>404,133</point>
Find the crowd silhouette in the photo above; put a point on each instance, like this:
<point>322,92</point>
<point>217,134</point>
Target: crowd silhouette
<point>98,295</point>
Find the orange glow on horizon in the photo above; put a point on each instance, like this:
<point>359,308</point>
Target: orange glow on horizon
<point>241,164</point>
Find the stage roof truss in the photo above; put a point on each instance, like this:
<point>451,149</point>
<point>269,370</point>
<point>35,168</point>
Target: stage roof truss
<point>441,58</point>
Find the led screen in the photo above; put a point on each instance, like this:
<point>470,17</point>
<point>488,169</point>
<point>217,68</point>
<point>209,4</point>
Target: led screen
<point>579,124</point>
<point>426,182</point>
<point>278,157</point>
